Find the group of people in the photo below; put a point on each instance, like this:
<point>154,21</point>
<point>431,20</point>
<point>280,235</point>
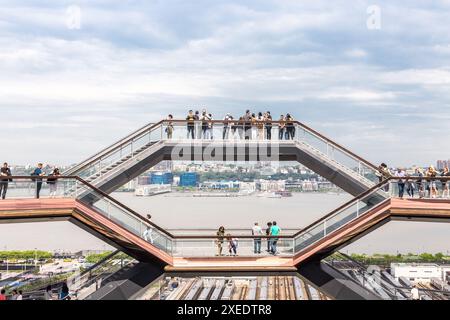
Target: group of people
<point>425,184</point>
<point>37,177</point>
<point>249,126</point>
<point>63,294</point>
<point>15,295</point>
<point>271,232</point>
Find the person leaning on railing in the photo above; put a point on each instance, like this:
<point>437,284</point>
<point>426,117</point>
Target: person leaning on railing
<point>52,182</point>
<point>38,172</point>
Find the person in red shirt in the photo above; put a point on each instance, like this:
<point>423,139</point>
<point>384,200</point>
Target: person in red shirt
<point>3,295</point>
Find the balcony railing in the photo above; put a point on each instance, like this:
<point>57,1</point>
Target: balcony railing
<point>202,245</point>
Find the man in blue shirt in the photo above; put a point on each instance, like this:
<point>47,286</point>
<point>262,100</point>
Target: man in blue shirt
<point>274,231</point>
<point>39,173</point>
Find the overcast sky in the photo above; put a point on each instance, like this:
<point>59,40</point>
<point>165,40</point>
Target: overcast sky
<point>70,86</point>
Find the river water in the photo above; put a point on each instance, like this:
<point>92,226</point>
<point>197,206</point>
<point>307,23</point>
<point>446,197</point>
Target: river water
<point>175,211</point>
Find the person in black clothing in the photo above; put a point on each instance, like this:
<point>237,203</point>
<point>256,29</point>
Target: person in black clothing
<point>269,244</point>
<point>4,172</point>
<point>190,125</point>
<point>290,129</point>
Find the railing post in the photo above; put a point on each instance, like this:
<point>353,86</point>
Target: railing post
<point>325,228</point>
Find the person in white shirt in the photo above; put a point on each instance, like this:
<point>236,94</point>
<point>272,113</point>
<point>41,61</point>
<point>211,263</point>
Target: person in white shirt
<point>400,173</point>
<point>257,231</point>
<point>415,293</point>
<point>19,296</point>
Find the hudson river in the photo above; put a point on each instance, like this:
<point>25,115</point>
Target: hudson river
<point>180,211</point>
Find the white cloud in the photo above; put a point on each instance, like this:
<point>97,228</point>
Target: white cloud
<point>135,61</point>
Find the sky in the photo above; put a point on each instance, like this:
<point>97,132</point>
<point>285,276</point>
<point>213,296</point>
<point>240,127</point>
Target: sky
<point>76,76</point>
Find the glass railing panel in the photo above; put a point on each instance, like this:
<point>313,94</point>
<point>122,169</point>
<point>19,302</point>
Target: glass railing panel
<point>245,247</point>
<point>340,218</point>
<point>309,237</point>
<point>27,188</point>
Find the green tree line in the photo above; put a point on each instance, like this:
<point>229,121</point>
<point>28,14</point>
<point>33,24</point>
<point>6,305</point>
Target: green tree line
<point>27,254</point>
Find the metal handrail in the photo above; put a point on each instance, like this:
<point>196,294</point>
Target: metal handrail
<point>366,193</point>
<point>151,126</point>
<point>174,237</point>
<point>112,147</point>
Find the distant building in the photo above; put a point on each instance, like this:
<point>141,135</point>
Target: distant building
<point>220,185</point>
<point>188,179</point>
<point>441,164</point>
<point>161,178</point>
<point>423,272</point>
<point>272,185</point>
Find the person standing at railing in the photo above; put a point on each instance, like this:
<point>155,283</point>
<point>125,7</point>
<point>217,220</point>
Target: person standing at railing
<point>247,125</point>
<point>400,173</point>
<point>52,182</point>
<point>240,127</point>
<point>205,125</point>
<point>268,124</point>
<point>410,186</point>
<point>198,125</point>
<point>219,242</point>
<point>254,120</point>
<point>445,184</point>
<point>5,171</point>
<point>169,128</point>
<point>257,231</point>
<point>190,124</point>
<point>290,129</point>
<point>226,126</point>
<point>281,127</point>
<point>419,182</point>
<point>232,245</point>
<point>259,120</point>
<point>210,127</point>
<point>431,174</point>
<point>269,242</point>
<point>274,231</point>
<point>38,172</point>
